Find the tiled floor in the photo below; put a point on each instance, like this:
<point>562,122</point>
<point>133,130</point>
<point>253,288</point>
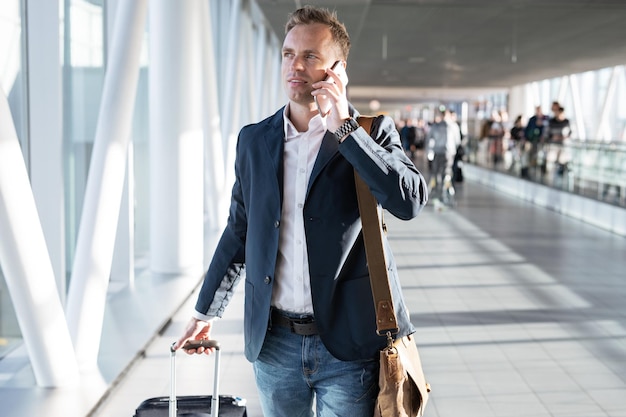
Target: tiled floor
<point>520,312</point>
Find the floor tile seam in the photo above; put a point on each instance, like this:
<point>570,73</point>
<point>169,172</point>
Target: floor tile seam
<point>576,393</point>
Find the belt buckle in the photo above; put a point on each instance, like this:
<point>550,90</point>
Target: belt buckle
<point>302,326</point>
<point>293,322</point>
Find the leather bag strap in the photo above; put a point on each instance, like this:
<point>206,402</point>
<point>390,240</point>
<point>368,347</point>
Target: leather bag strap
<point>371,220</point>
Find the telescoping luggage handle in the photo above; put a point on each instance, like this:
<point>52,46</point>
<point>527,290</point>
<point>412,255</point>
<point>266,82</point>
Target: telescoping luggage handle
<point>194,344</point>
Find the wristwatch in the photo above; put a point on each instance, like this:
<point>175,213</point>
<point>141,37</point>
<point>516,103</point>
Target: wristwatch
<point>347,127</point>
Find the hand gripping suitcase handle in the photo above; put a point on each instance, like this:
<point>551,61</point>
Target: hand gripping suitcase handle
<point>194,344</point>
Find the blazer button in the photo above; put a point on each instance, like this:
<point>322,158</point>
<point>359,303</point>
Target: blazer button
<point>276,224</point>
<point>267,280</point>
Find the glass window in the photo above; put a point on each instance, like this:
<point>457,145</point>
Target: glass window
<point>13,86</point>
<point>11,79</point>
<point>83,79</point>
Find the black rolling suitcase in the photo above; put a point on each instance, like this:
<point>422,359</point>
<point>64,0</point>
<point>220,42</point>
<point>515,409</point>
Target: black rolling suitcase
<point>193,405</point>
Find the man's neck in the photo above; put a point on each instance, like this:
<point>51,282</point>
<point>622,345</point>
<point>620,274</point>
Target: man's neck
<point>300,116</point>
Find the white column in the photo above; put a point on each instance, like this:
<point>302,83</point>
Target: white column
<point>230,102</point>
<point>581,130</point>
<point>278,98</point>
<point>234,113</point>
<point>27,268</point>
<point>176,140</point>
<point>216,194</point>
<point>123,264</point>
<point>261,83</point>
<point>96,235</point>
<point>250,89</point>
<point>603,131</point>
<point>45,128</point>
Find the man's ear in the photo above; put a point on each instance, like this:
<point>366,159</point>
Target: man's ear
<point>343,74</point>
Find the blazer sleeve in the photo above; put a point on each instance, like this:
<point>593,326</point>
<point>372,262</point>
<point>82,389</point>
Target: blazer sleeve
<point>227,266</point>
<point>391,176</point>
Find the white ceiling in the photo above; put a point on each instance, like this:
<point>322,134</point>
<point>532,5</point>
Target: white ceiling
<point>407,51</point>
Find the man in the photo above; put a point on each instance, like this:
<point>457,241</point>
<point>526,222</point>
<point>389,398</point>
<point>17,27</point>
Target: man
<point>559,126</point>
<point>407,136</point>
<point>534,130</point>
<point>443,139</point>
<point>559,132</point>
<point>534,133</point>
<point>294,229</point>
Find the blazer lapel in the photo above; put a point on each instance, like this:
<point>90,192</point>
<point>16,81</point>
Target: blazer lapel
<point>328,149</point>
<point>274,141</point>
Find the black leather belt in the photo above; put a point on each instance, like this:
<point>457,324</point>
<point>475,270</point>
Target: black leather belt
<point>301,326</point>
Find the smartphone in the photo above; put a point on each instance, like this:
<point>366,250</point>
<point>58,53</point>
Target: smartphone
<point>319,107</point>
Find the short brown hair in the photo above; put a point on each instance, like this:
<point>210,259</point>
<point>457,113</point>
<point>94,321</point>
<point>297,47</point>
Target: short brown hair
<point>308,15</point>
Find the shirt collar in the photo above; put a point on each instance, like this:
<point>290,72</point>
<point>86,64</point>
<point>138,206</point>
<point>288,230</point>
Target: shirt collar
<point>316,123</point>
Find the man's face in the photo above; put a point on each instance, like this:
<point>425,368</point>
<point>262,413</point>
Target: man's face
<point>308,50</point>
<point>555,107</point>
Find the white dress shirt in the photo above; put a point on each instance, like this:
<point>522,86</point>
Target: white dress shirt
<point>292,286</point>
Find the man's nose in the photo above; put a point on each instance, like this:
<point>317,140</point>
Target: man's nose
<point>297,64</point>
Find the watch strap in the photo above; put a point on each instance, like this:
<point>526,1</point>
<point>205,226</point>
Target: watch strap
<point>347,127</point>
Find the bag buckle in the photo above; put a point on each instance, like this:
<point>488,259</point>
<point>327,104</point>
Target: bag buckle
<point>389,340</point>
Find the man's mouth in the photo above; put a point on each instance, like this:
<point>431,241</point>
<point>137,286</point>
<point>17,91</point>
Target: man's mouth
<point>296,81</point>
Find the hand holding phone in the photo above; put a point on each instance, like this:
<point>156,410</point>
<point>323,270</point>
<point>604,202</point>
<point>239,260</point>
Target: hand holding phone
<point>322,102</point>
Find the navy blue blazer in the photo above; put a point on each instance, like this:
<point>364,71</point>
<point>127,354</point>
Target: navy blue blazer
<point>340,288</point>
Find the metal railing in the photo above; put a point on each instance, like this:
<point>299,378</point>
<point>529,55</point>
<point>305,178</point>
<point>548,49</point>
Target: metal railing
<point>593,169</point>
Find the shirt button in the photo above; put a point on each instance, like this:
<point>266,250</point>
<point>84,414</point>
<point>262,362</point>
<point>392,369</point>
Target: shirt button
<point>267,280</point>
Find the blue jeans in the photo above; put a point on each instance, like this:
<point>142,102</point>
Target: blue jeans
<point>293,371</point>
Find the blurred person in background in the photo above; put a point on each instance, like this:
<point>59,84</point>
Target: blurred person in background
<point>444,137</point>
